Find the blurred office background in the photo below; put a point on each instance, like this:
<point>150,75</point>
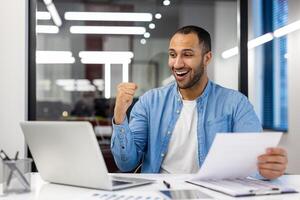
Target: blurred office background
<point>83,51</point>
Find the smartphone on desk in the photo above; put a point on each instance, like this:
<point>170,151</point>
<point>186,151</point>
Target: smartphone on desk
<point>185,194</point>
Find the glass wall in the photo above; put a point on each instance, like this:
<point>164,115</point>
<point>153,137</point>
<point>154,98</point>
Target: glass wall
<point>86,48</point>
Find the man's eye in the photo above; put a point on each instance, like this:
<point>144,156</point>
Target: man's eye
<point>172,55</point>
<point>188,55</point>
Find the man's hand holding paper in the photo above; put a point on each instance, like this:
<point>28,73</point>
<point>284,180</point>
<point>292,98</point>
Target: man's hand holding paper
<point>273,163</point>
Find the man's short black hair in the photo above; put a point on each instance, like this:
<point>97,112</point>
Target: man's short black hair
<point>203,35</point>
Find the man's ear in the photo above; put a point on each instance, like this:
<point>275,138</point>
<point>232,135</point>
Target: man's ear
<point>207,58</point>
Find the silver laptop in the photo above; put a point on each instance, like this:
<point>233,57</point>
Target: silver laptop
<point>68,153</point>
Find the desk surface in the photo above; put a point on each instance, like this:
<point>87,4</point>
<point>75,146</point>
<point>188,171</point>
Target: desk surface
<point>42,190</point>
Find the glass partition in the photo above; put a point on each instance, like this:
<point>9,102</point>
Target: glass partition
<point>84,49</point>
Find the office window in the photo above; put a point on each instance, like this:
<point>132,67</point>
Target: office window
<point>82,54</point>
<point>275,15</point>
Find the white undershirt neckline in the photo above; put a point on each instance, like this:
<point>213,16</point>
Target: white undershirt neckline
<point>182,154</point>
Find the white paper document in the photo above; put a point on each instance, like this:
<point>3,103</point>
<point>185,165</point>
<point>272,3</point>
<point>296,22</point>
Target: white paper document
<point>234,155</point>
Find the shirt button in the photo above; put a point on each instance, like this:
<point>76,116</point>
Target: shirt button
<point>169,132</point>
<point>178,99</point>
<point>162,155</point>
<point>122,130</point>
<point>177,111</point>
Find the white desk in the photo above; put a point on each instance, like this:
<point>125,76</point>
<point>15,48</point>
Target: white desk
<point>45,191</point>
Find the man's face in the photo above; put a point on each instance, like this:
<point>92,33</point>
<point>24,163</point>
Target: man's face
<point>186,59</point>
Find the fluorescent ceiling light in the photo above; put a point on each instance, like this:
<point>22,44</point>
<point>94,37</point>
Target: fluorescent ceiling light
<point>106,54</point>
<point>54,14</point>
<point>157,16</point>
<point>83,82</point>
<point>102,57</point>
<point>147,35</point>
<point>121,30</point>
<point>264,38</point>
<point>260,40</point>
<point>98,82</point>
<point>88,88</point>
<point>47,2</point>
<point>47,29</point>
<point>65,82</point>
<point>143,41</point>
<point>230,52</point>
<point>125,72</point>
<point>54,57</point>
<point>53,54</point>
<point>107,78</point>
<point>152,26</point>
<point>69,60</point>
<point>108,16</point>
<point>105,60</point>
<point>43,15</point>
<point>287,29</point>
<point>166,2</point>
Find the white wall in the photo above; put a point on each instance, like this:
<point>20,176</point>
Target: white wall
<point>12,75</point>
<point>292,140</point>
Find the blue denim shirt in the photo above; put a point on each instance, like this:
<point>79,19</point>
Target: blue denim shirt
<point>147,134</point>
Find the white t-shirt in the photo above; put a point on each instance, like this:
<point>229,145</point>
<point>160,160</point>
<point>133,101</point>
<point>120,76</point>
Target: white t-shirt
<point>182,156</point>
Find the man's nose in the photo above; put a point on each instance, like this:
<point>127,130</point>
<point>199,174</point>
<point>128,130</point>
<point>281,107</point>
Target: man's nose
<point>178,62</point>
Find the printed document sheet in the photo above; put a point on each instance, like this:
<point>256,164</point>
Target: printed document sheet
<point>232,159</point>
<point>234,155</point>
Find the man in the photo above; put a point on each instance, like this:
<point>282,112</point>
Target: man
<point>172,128</point>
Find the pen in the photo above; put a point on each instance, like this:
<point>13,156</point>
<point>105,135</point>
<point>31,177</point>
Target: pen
<point>11,172</point>
<point>3,155</point>
<point>168,185</point>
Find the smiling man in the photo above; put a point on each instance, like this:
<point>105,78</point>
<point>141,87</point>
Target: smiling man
<point>172,128</point>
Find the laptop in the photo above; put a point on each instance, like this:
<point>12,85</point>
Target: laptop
<point>68,153</point>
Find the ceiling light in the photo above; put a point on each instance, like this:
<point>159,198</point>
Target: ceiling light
<point>230,52</point>
<point>65,82</point>
<point>147,35</point>
<point>287,29</point>
<point>47,29</point>
<point>251,44</point>
<point>125,72</point>
<point>107,78</point>
<point>102,57</point>
<point>260,40</point>
<point>158,16</point>
<point>152,26</point>
<point>54,14</point>
<point>108,16</point>
<point>105,60</point>
<point>121,30</point>
<point>54,57</point>
<point>106,54</point>
<point>43,15</point>
<point>166,2</point>
<point>98,82</point>
<point>47,2</point>
<point>83,82</point>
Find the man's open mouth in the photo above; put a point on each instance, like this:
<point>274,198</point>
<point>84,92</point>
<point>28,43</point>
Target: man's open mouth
<point>181,73</point>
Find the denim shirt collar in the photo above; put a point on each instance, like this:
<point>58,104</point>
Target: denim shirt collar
<point>204,94</point>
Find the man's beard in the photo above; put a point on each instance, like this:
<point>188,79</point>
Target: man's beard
<point>195,79</point>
